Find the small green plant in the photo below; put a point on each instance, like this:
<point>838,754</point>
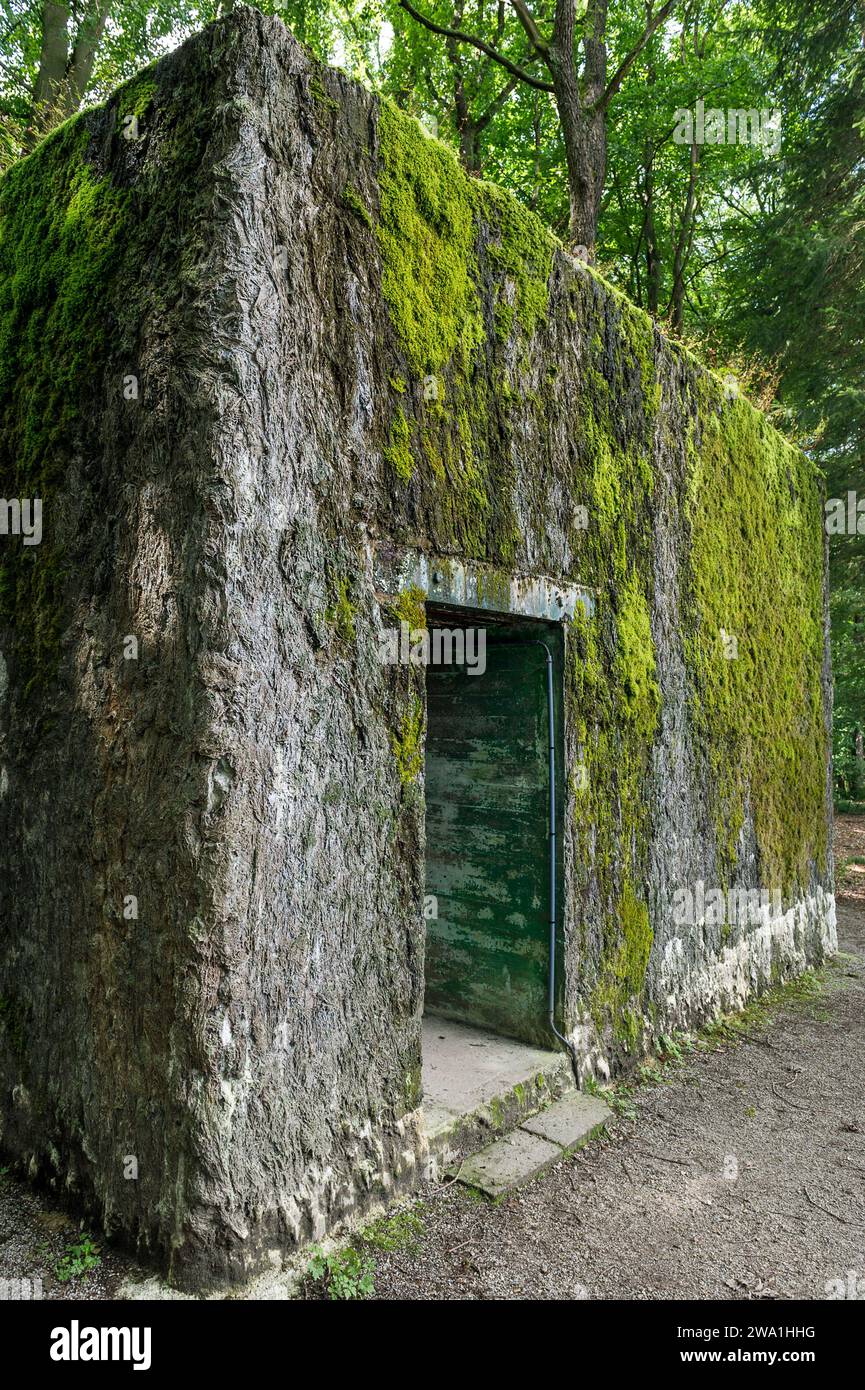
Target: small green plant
<point>651,1074</point>
<point>618,1096</point>
<point>401,1231</point>
<point>81,1257</point>
<point>856,861</point>
<point>344,1275</point>
<point>673,1046</point>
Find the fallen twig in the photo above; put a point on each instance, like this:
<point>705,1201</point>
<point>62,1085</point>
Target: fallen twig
<point>785,1100</point>
<point>833,1214</point>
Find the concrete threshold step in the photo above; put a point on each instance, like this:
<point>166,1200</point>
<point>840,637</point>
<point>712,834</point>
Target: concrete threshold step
<point>536,1145</point>
<point>478,1085</point>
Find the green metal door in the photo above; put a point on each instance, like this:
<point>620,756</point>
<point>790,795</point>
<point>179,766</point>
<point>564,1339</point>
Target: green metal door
<point>487,833</point>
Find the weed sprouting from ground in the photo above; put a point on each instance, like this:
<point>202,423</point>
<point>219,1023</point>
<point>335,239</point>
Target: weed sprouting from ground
<point>343,1275</point>
<point>81,1257</point>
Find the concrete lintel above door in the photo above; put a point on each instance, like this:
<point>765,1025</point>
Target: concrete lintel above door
<point>472,584</point>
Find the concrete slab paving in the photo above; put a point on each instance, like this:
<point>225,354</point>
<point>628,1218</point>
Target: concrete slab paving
<point>569,1122</point>
<point>464,1067</point>
<point>508,1163</point>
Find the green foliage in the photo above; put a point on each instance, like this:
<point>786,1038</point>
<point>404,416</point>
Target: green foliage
<point>344,1275</point>
<point>80,1259</point>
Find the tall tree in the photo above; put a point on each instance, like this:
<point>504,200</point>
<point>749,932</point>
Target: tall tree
<point>574,61</point>
<point>71,35</point>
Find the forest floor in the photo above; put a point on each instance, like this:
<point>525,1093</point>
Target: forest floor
<point>735,1170</point>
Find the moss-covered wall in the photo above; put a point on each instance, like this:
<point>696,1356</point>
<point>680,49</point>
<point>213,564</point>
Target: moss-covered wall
<point>567,437</point>
<point>343,345</point>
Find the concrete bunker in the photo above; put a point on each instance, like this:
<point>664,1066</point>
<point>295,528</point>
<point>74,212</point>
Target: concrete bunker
<point>338,408</point>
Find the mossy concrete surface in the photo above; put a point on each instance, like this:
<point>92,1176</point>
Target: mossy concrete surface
<point>478,1085</point>
<point>540,1142</point>
<point>248,339</point>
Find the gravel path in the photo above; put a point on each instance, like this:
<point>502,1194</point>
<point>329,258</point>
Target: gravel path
<point>739,1174</point>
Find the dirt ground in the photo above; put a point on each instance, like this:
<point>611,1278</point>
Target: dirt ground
<point>741,1175</point>
<point>735,1172</point>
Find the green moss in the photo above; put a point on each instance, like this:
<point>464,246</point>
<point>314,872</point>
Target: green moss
<point>318,91</point>
<point>638,333</point>
<point>622,974</point>
<point>521,248</point>
<point>426,234</point>
<point>504,320</point>
<point>640,697</point>
<point>404,1230</point>
<point>353,200</point>
<point>755,636</point>
<point>409,607</point>
<point>407,744</point>
<point>612,693</point>
<point>85,265</point>
<point>61,237</point>
<point>341,613</point>
<point>398,452</point>
<point>136,96</point>
<point>758,725</point>
<point>435,223</point>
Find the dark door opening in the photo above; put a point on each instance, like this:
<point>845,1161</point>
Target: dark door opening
<point>487,828</point>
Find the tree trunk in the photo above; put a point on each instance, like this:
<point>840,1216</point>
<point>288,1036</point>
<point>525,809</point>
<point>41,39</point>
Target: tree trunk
<point>653,260</point>
<point>683,246</point>
<point>583,118</point>
<point>84,51</point>
<point>585,139</point>
<point>53,56</point>
<point>467,130</point>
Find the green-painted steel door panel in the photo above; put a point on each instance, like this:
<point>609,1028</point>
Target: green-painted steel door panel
<point>487,833</point>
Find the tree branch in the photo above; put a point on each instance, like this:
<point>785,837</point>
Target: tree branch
<point>526,18</point>
<point>496,104</point>
<point>479,44</point>
<point>627,63</point>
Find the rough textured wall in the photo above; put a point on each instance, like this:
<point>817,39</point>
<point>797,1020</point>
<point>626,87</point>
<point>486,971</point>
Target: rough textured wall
<point>340,342</point>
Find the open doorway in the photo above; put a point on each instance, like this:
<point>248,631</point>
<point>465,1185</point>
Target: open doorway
<point>488,826</point>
